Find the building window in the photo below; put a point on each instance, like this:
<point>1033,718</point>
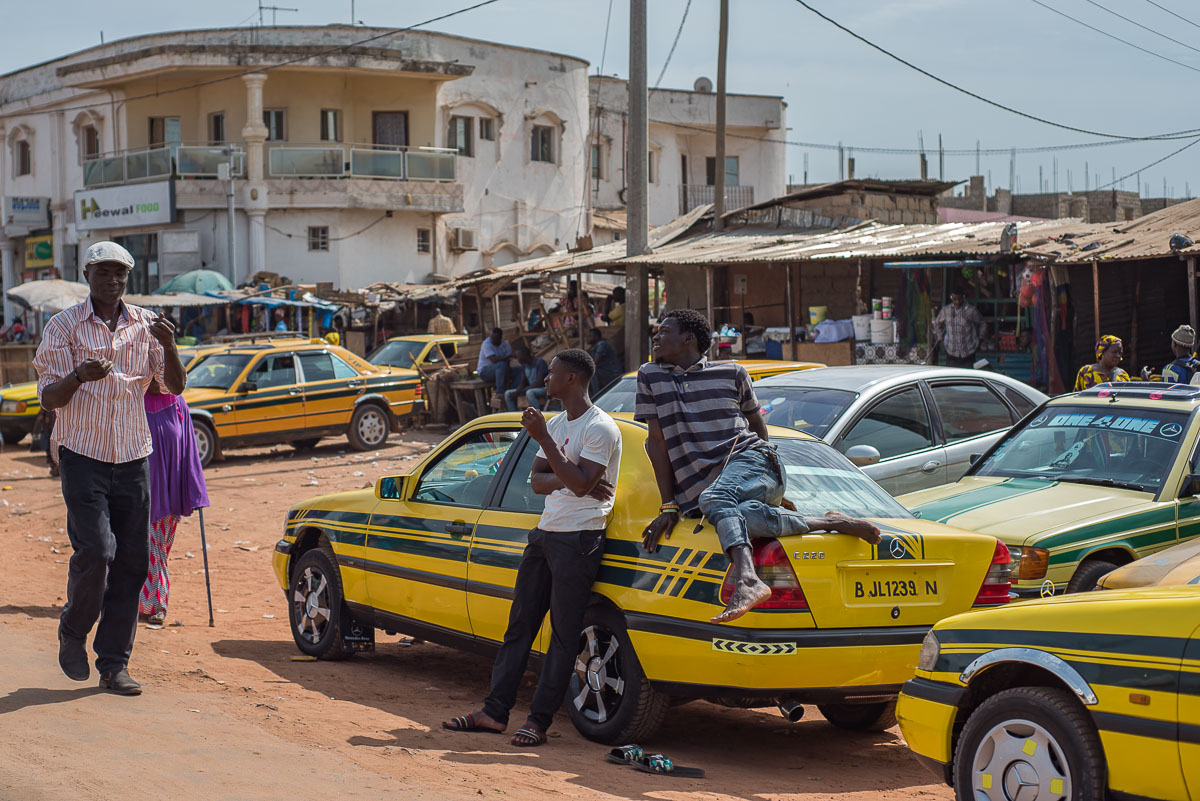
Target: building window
<point>165,131</point>
<point>318,237</point>
<point>91,142</point>
<point>424,240</point>
<point>461,136</point>
<point>731,171</point>
<point>275,119</point>
<point>331,125</point>
<point>652,168</point>
<point>216,128</point>
<point>487,129</point>
<point>597,163</point>
<point>541,143</point>
<point>23,158</point>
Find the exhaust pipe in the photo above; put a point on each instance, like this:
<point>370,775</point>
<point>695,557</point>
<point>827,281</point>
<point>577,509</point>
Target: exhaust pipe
<point>792,710</point>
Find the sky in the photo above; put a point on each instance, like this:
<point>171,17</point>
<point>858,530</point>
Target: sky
<point>1018,53</point>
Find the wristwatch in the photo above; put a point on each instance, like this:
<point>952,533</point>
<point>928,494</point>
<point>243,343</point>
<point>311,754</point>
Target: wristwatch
<point>75,372</point>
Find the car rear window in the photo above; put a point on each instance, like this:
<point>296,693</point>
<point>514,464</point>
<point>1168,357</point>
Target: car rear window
<point>819,480</point>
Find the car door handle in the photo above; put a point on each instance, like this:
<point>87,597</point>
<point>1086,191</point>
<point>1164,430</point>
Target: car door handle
<point>930,466</point>
<point>227,408</point>
<point>295,391</point>
<point>354,384</point>
<point>458,529</point>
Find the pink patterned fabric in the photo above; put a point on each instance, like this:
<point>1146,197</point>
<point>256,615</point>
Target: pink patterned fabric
<point>158,583</point>
<point>156,403</point>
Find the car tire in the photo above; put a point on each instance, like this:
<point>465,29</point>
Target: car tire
<point>206,441</point>
<point>860,717</point>
<point>315,610</point>
<point>368,427</point>
<point>995,744</point>
<point>305,444</point>
<point>611,701</point>
<point>12,437</point>
<point>1089,572</point>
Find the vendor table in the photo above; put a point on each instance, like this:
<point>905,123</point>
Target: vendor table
<point>472,390</point>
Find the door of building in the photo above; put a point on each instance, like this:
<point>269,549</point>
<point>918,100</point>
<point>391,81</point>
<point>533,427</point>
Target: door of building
<point>143,278</point>
<point>390,128</point>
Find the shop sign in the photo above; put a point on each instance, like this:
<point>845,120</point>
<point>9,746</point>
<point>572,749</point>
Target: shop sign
<point>124,206</point>
<point>25,214</point>
<point>39,251</point>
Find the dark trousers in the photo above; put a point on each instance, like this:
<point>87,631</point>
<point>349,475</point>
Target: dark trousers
<point>961,361</point>
<point>556,574</point>
<point>108,522</point>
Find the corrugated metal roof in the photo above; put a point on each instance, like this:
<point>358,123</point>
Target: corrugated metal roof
<point>1147,237</point>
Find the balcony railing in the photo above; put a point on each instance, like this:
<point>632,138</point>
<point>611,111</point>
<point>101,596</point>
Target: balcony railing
<point>284,160</point>
<point>736,197</point>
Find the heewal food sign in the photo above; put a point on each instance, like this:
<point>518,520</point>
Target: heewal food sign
<point>124,206</point>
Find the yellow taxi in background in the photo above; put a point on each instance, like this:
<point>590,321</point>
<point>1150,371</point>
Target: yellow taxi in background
<point>1081,697</point>
<point>434,553</point>
<point>295,392</point>
<point>417,350</point>
<point>618,397</point>
<point>1179,564</point>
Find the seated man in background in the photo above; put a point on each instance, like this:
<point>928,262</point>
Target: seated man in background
<point>608,364</point>
<point>493,360</point>
<point>531,380</point>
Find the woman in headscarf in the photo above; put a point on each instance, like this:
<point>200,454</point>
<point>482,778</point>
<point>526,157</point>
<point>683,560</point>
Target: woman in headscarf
<point>1109,351</point>
<point>176,490</point>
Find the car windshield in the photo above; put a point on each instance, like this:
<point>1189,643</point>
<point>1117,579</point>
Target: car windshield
<point>619,397</point>
<point>217,370</point>
<point>812,410</point>
<point>819,479</point>
<point>397,353</point>
<point>1117,447</point>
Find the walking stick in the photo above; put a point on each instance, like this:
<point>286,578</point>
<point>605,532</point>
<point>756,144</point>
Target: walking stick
<point>204,550</point>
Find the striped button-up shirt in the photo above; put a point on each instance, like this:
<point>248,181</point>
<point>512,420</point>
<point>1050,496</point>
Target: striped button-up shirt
<point>702,412</point>
<point>106,419</point>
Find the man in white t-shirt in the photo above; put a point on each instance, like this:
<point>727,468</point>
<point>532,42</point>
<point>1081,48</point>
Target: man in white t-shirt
<point>576,469</point>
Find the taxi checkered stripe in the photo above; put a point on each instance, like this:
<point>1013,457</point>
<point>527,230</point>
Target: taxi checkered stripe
<point>754,648</point>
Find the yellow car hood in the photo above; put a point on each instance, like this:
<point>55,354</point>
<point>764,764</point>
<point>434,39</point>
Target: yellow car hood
<point>21,392</point>
<point>1179,564</point>
<point>203,395</point>
<point>1018,510</point>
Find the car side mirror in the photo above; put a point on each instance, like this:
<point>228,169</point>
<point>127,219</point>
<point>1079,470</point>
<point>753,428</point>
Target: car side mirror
<point>393,488</point>
<point>863,455</point>
<point>1192,486</point>
<point>247,386</point>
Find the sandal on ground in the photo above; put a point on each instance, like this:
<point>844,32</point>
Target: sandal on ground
<point>625,754</point>
<point>528,737</point>
<point>468,723</point>
<point>660,763</point>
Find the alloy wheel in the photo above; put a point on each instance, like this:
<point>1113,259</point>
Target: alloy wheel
<point>602,687</point>
<point>372,427</point>
<point>312,605</point>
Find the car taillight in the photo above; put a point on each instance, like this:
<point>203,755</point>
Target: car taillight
<point>772,565</point>
<point>420,390</point>
<point>997,582</point>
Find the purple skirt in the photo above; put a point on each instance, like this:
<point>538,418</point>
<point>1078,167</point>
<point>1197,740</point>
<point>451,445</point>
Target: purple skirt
<point>176,477</point>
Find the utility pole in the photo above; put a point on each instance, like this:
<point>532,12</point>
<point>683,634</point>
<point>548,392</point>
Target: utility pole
<point>637,241</point>
<point>226,172</point>
<point>719,188</point>
<point>941,160</point>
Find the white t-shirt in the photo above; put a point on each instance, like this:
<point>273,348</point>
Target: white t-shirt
<point>592,436</point>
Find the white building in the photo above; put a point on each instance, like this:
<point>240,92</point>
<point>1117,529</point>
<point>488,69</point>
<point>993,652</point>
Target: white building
<point>413,156</point>
<point>683,146</point>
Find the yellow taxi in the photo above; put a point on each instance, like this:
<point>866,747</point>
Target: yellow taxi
<point>1081,697</point>
<point>418,350</point>
<point>1082,485</point>
<point>434,553</point>
<point>618,397</point>
<point>295,392</point>
<point>1179,564</point>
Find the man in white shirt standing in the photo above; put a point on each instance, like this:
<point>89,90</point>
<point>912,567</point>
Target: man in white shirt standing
<point>576,469</point>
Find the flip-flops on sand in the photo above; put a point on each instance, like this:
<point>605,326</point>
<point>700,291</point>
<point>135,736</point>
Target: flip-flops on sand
<point>467,723</point>
<point>651,763</point>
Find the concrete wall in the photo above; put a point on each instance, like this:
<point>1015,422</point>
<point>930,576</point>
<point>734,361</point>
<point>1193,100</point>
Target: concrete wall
<point>885,207</point>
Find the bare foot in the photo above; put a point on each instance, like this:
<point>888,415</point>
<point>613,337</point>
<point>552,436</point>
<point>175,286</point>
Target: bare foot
<point>865,530</point>
<point>747,594</point>
<point>476,721</point>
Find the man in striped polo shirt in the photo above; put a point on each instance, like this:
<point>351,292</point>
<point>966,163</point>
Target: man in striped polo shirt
<point>94,364</point>
<point>708,445</point>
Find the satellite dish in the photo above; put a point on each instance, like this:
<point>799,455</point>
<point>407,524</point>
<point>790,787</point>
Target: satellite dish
<point>703,84</point>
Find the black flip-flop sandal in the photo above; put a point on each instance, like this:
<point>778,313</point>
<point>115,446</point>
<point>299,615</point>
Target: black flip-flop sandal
<point>660,763</point>
<point>466,723</point>
<point>625,754</point>
<point>531,734</point>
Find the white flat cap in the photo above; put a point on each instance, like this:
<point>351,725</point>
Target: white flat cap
<point>107,252</point>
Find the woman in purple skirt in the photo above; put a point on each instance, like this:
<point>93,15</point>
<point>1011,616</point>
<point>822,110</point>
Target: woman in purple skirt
<point>176,490</point>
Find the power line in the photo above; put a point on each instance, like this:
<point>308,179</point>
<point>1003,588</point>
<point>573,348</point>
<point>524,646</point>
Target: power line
<point>1143,27</point>
<point>326,52</point>
<point>1186,134</point>
<point>1173,14</point>
<point>1151,164</point>
<point>674,44</point>
<point>1114,36</point>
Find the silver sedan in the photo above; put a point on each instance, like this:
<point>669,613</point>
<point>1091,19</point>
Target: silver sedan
<point>908,427</point>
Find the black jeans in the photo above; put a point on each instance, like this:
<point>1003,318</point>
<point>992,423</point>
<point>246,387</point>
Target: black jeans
<point>108,522</point>
<point>556,574</point>
<point>960,361</point>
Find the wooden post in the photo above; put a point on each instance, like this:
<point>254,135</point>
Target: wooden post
<point>1096,300</point>
<point>459,316</point>
<point>1191,275</point>
<point>708,294</point>
<point>790,311</point>
<point>582,310</point>
<point>1133,332</point>
<point>483,334</point>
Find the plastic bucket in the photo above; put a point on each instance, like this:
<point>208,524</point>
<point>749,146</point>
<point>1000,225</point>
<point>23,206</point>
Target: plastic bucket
<point>816,314</point>
<point>883,332</point>
<point>885,302</point>
<point>862,326</point>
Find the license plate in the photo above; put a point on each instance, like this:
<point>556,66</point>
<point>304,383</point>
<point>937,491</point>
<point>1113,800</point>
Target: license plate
<point>892,587</point>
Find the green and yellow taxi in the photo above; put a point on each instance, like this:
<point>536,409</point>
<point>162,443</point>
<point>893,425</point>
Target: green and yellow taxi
<point>415,351</point>
<point>296,392</point>
<point>434,552</point>
<point>618,397</point>
<point>1082,485</point>
<point>1076,698</point>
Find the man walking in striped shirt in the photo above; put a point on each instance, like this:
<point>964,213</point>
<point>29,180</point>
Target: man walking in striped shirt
<point>94,364</point>
<point>708,445</point>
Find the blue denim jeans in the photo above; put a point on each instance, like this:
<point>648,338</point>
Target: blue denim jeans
<point>498,372</point>
<point>535,395</point>
<point>743,502</point>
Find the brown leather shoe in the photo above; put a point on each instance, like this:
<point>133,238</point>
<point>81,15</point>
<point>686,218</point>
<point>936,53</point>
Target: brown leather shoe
<point>120,683</point>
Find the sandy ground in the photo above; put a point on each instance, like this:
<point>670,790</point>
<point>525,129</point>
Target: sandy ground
<point>227,714</point>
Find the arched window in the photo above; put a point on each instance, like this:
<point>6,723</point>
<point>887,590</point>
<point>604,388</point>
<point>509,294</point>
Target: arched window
<point>20,144</point>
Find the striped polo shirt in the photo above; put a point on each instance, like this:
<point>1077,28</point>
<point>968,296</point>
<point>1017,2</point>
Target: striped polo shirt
<point>702,412</point>
<point>106,419</point>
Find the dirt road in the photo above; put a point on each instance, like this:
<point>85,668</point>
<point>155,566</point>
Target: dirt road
<point>227,714</point>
